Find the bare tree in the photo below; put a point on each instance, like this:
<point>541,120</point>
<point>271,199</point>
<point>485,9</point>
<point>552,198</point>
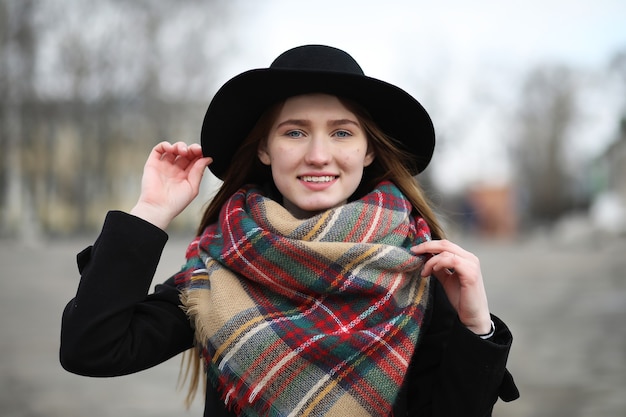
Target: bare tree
<point>118,77</point>
<point>17,65</point>
<point>616,154</point>
<point>546,115</point>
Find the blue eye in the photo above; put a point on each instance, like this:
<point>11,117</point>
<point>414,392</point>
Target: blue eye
<point>294,134</point>
<point>343,134</point>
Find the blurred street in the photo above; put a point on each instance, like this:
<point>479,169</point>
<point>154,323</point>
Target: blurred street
<point>565,303</point>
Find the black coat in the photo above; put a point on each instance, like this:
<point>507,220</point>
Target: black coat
<point>114,327</point>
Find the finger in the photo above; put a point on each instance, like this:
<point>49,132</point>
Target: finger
<point>180,149</point>
<point>191,152</point>
<point>195,149</point>
<point>435,247</point>
<point>446,261</point>
<point>165,151</point>
<point>447,264</point>
<point>177,148</point>
<point>197,171</point>
<point>179,154</point>
<point>190,164</point>
<point>168,156</point>
<point>161,148</point>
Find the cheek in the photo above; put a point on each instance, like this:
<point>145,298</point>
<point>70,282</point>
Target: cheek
<point>354,159</point>
<point>281,161</point>
<point>348,161</point>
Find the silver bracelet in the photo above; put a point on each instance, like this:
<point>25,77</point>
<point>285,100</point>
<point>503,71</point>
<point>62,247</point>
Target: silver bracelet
<point>491,333</point>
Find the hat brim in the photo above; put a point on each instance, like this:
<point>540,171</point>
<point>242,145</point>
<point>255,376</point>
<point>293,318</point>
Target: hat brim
<point>238,105</point>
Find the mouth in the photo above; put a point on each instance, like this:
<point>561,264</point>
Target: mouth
<point>318,179</point>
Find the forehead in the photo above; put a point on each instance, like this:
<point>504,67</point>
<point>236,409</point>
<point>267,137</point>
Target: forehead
<point>306,105</point>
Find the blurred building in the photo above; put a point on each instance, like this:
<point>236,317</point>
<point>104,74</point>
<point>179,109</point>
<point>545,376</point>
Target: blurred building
<point>491,210</point>
<point>608,210</point>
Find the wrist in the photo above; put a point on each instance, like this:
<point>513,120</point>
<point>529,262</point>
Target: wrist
<point>148,212</point>
<point>480,327</point>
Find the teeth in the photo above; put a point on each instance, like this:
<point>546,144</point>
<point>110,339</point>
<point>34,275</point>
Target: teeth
<point>309,178</point>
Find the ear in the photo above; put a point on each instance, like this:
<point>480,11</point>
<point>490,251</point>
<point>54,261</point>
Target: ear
<point>264,157</point>
<point>369,158</point>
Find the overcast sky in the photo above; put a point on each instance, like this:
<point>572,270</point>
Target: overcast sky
<point>384,33</point>
<point>457,46</point>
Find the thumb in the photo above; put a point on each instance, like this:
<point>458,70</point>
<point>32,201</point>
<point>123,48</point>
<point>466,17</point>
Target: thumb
<point>197,171</point>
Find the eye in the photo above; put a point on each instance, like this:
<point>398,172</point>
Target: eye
<point>342,134</point>
<point>294,134</point>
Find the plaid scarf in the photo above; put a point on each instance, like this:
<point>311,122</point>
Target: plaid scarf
<point>319,316</point>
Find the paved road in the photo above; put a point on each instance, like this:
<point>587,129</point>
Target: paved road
<point>566,305</point>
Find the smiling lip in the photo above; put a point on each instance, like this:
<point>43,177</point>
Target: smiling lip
<point>317,182</point>
<point>317,178</point>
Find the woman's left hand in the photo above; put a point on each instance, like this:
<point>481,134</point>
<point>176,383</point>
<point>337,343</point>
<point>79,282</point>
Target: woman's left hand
<point>459,273</point>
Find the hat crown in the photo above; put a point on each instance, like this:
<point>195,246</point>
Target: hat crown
<point>317,58</point>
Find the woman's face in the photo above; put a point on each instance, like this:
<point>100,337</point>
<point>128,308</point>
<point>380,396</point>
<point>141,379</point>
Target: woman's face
<point>317,151</point>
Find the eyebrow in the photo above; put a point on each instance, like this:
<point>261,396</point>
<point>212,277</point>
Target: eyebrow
<point>340,122</point>
<point>304,122</point>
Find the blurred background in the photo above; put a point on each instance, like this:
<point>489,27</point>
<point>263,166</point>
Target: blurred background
<point>529,104</point>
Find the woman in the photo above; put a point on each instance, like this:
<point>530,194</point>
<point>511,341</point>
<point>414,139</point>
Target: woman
<point>319,283</point>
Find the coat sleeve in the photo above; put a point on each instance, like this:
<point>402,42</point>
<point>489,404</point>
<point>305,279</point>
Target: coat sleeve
<point>112,326</point>
<point>454,372</point>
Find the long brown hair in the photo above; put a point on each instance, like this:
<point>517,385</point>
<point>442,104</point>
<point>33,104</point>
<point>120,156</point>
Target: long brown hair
<point>390,163</point>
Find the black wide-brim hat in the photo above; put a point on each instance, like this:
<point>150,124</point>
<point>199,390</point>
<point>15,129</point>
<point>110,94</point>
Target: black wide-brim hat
<point>239,103</point>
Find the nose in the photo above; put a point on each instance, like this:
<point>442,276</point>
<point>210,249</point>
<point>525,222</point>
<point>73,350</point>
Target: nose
<point>318,152</point>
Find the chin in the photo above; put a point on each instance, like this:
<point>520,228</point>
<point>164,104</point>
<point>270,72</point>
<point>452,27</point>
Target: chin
<point>318,208</point>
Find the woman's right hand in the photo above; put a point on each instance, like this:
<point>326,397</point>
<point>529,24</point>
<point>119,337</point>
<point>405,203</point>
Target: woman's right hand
<point>171,180</point>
